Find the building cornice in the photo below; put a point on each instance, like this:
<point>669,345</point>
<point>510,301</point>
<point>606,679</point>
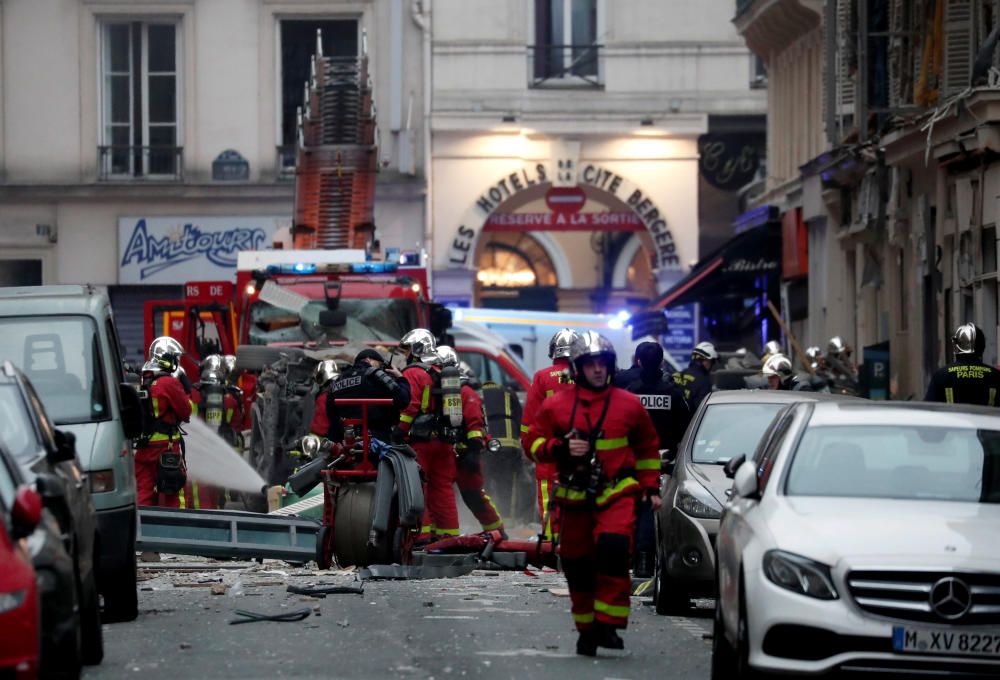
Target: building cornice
<point>771,26</point>
<point>133,192</point>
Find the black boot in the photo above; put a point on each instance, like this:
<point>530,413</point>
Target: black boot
<point>608,637</point>
<point>586,644</point>
<point>643,565</point>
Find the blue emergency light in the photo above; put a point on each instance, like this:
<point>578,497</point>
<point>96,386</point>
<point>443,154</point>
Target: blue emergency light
<point>297,268</point>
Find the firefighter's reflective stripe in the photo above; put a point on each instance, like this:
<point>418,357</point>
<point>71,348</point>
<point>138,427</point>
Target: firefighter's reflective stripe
<point>584,618</point>
<point>229,414</point>
<point>993,396</point>
<point>949,395</point>
<point>405,418</point>
<point>549,393</point>
<point>571,495</point>
<point>194,409</point>
<point>622,486</point>
<point>156,406</point>
<point>647,465</point>
<point>535,445</point>
<point>493,525</point>
<point>620,612</point>
<point>445,532</point>
<point>524,428</point>
<point>196,503</point>
<point>474,434</point>
<point>609,444</point>
<point>425,398</point>
<point>161,437</point>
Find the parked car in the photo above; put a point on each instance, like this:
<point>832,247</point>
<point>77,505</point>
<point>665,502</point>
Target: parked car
<point>47,458</point>
<point>20,513</point>
<point>863,537</point>
<point>65,341</point>
<point>726,425</point>
<point>61,642</point>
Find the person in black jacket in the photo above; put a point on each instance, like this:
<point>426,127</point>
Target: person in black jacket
<point>664,400</point>
<point>696,381</point>
<point>369,378</point>
<point>968,380</point>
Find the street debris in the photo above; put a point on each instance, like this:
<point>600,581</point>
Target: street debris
<point>324,589</point>
<point>284,617</point>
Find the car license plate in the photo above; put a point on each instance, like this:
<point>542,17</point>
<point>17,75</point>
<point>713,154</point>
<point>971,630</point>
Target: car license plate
<point>948,642</point>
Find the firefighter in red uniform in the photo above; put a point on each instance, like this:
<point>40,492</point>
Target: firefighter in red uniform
<point>325,373</point>
<point>420,423</point>
<point>544,384</point>
<point>470,444</point>
<point>605,448</point>
<point>159,468</point>
<point>211,402</point>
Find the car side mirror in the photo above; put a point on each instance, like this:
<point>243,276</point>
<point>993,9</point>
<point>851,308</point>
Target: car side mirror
<point>26,513</point>
<point>733,464</point>
<point>745,481</point>
<point>131,410</point>
<point>65,448</point>
<point>332,318</point>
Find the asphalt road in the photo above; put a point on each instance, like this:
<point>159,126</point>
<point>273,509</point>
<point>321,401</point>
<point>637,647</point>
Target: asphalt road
<point>484,625</point>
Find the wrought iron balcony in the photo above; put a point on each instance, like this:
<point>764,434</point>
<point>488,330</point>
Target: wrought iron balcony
<point>140,163</point>
<point>565,65</point>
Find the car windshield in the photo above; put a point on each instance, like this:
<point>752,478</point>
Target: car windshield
<point>900,462</point>
<point>16,430</point>
<point>61,357</point>
<point>728,430</point>
<point>367,320</point>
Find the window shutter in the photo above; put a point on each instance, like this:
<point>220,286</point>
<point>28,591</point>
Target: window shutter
<point>846,57</point>
<point>958,47</point>
<point>901,49</point>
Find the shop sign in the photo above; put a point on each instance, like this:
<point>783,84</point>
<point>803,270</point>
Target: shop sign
<point>645,211</point>
<point>682,331</point>
<point>174,250</point>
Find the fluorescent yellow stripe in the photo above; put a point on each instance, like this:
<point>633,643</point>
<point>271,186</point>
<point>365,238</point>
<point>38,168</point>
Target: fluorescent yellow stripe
<point>446,532</point>
<point>405,418</point>
<point>473,434</point>
<point>156,405</point>
<point>493,525</point>
<point>544,488</point>
<point>647,465</point>
<point>993,396</point>
<point>949,395</point>
<point>229,414</point>
<point>549,393</point>
<point>160,437</point>
<point>611,610</point>
<point>584,618</point>
<point>571,494</point>
<point>194,409</point>
<point>524,428</point>
<point>622,486</point>
<point>194,492</point>
<point>608,444</point>
<point>183,500</point>
<point>425,399</point>
<point>537,444</point>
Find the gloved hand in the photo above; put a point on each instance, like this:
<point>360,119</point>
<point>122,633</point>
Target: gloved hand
<point>473,447</point>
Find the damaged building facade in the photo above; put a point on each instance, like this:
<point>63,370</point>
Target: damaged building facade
<point>888,189</point>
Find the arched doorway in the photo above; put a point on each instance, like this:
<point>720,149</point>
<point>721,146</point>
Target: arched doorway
<point>514,272</point>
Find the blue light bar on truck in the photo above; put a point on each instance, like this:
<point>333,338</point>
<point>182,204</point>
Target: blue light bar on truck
<point>374,267</point>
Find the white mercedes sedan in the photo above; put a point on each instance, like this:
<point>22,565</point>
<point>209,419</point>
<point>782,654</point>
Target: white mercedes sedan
<point>863,538</point>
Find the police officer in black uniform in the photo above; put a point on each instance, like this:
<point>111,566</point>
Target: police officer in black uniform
<point>696,380</point>
<point>369,378</point>
<point>667,408</point>
<point>968,380</point>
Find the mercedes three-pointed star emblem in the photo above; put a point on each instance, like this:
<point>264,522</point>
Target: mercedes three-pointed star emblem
<point>950,598</point>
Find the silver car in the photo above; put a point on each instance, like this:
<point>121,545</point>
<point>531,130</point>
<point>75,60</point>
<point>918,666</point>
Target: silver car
<point>726,425</point>
<point>863,537</point>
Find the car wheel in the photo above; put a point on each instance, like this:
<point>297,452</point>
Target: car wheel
<point>723,653</point>
<point>668,597</point>
<point>90,622</point>
<point>62,655</point>
<point>121,597</point>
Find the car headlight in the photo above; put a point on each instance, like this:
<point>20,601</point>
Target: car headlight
<point>693,499</point>
<point>799,574</point>
<point>11,601</point>
<point>102,481</point>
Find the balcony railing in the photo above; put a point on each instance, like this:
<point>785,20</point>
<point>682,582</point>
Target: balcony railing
<point>140,163</point>
<point>565,65</point>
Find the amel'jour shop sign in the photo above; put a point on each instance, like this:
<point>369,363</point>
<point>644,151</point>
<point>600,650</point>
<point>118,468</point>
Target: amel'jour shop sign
<point>169,250</point>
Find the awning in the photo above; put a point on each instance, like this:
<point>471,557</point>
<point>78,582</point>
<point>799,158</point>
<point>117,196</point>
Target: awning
<point>732,269</point>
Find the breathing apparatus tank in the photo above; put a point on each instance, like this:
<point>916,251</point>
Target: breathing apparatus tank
<point>451,395</point>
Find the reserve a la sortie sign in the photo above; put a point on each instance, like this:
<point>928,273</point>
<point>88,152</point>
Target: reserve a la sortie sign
<point>173,250</point>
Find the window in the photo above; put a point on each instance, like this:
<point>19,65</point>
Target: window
<point>566,46</point>
<point>139,111</point>
<point>298,45</point>
<point>728,430</point>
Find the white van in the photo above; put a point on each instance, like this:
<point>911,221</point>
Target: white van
<point>528,333</point>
